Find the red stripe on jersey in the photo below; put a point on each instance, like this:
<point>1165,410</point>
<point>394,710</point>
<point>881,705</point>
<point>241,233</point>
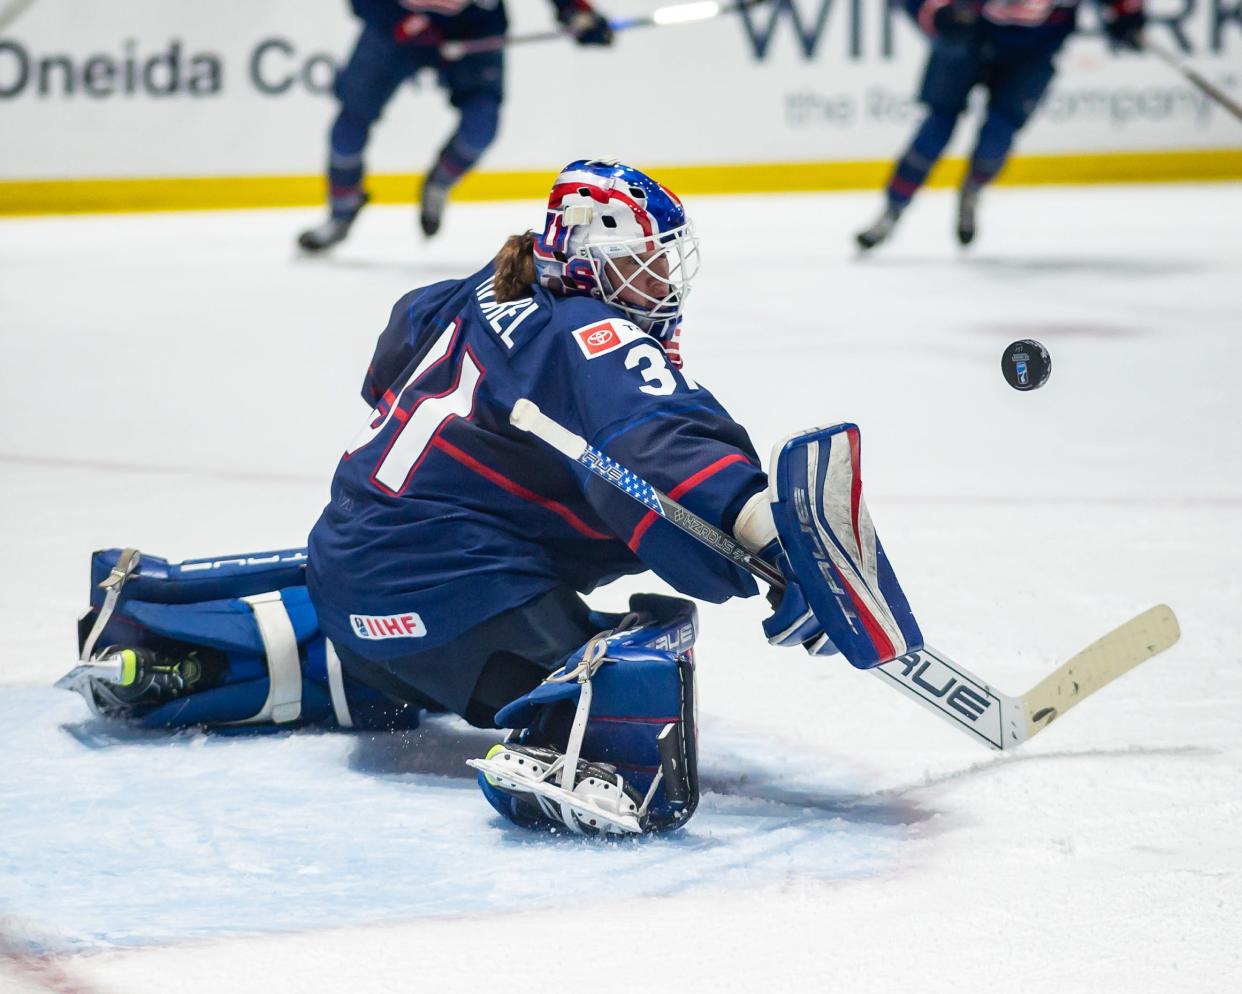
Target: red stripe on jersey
<point>683,487</point>
<point>512,487</point>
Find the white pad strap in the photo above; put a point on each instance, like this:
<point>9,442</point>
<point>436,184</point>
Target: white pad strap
<point>284,692</point>
<point>573,749</point>
<point>336,686</point>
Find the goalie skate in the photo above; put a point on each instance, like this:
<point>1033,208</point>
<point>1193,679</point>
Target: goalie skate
<point>600,803</point>
<point>119,678</point>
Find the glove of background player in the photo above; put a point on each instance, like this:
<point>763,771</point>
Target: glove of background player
<point>1124,23</point>
<point>792,621</point>
<point>951,18</point>
<point>417,29</point>
<point>585,23</point>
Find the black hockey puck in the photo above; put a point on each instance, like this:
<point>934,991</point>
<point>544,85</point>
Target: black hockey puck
<point>1026,365</point>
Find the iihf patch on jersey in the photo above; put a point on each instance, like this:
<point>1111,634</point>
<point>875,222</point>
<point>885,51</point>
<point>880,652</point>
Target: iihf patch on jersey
<point>388,626</point>
<point>606,336</point>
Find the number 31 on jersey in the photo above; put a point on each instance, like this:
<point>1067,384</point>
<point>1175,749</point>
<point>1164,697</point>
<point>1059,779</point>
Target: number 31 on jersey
<point>642,355</point>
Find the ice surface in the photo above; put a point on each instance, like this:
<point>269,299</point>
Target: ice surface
<point>184,383</point>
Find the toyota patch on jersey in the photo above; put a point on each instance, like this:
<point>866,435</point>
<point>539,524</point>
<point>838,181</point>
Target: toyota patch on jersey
<point>602,338</point>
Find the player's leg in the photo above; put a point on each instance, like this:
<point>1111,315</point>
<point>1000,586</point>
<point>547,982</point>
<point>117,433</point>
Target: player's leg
<point>228,642</point>
<point>173,684</point>
<point>1015,86</point>
<point>476,88</point>
<point>375,69</point>
<point>953,68</point>
<point>606,744</point>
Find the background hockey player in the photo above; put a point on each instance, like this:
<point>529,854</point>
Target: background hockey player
<point>446,571</point>
<point>399,38</point>
<point>1006,46</point>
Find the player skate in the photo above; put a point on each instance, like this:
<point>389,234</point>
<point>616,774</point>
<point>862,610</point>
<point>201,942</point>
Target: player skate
<point>431,207</point>
<point>334,230</point>
<point>967,203</point>
<point>878,232</point>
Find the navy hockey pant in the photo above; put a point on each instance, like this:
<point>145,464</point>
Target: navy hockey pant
<point>488,666</point>
<point>1016,79</point>
<point>377,67</point>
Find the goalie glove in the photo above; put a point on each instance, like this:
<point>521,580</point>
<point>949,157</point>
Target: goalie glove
<point>585,23</point>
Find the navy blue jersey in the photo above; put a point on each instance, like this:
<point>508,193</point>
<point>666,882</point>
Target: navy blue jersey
<point>1018,24</point>
<point>454,20</point>
<point>442,514</point>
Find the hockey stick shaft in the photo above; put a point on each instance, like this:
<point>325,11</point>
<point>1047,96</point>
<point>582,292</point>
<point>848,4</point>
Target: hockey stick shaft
<point>1194,78</point>
<point>661,17</point>
<point>929,677</point>
<point>11,11</point>
<point>527,416</point>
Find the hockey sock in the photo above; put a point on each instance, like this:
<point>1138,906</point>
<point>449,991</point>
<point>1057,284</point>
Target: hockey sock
<point>480,120</point>
<point>992,148</point>
<point>912,168</point>
<point>348,139</point>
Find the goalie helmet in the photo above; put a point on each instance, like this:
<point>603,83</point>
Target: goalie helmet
<point>614,233</point>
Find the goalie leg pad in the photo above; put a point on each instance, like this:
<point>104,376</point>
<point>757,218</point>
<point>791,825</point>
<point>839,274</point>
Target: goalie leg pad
<point>607,744</point>
<point>827,533</point>
<point>275,667</point>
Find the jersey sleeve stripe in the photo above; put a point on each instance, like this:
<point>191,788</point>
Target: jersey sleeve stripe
<point>515,488</point>
<point>684,487</point>
<point>611,432</point>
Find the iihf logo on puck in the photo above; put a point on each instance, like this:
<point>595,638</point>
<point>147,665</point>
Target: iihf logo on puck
<point>1026,365</point>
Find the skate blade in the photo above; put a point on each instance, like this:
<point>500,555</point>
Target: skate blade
<point>83,673</point>
<point>502,774</point>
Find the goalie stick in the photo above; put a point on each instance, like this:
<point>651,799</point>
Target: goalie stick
<point>661,17</point>
<point>928,676</point>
